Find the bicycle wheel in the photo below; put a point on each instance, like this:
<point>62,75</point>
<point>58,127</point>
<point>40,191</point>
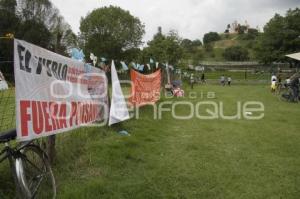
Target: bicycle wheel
<point>286,97</point>
<point>35,174</point>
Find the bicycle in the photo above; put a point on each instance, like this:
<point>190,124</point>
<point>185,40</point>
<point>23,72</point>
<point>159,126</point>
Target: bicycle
<point>288,95</point>
<point>30,168</point>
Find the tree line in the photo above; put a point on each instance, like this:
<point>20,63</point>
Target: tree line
<point>114,33</point>
<point>121,38</point>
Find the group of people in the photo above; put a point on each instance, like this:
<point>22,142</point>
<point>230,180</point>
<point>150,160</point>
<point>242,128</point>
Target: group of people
<point>193,79</point>
<point>293,82</point>
<point>176,89</point>
<point>224,80</point>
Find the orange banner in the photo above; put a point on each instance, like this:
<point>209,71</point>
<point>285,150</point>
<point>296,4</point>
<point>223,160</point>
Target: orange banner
<point>145,89</point>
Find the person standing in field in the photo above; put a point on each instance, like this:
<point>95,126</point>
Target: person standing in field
<point>192,80</point>
<point>273,83</point>
<point>203,78</point>
<point>273,78</point>
<point>229,81</point>
<point>295,82</point>
<point>222,80</point>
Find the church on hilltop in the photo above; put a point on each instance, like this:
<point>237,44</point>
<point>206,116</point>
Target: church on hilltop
<point>236,27</point>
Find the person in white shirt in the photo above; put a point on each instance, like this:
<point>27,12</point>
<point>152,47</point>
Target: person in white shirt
<point>273,78</point>
<point>273,83</point>
<point>229,81</point>
<point>222,80</point>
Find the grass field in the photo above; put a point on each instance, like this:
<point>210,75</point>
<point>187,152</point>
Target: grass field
<point>192,158</point>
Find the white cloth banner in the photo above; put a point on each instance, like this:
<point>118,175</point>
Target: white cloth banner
<point>3,85</point>
<point>118,108</point>
<point>54,93</point>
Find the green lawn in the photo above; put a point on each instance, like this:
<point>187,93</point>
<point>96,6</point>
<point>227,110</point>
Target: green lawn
<point>7,109</point>
<point>193,158</point>
<point>237,76</point>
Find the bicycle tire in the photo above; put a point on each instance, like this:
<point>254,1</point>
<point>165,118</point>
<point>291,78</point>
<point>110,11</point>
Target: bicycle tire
<point>285,97</point>
<point>12,165</point>
<point>34,173</point>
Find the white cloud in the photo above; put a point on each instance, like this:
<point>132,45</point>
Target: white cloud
<point>191,18</point>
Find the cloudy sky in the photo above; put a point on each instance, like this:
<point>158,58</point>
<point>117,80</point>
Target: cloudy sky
<point>191,18</point>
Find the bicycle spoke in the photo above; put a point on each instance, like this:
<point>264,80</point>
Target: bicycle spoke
<point>32,164</point>
<point>34,192</point>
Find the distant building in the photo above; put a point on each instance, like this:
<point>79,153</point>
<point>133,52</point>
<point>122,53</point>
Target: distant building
<point>234,27</point>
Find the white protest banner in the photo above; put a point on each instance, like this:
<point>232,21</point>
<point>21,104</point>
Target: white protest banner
<point>118,108</point>
<point>54,93</point>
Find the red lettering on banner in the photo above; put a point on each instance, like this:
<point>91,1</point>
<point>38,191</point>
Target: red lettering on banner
<point>62,116</point>
<point>90,115</point>
<point>53,115</point>
<point>73,114</point>
<point>25,117</point>
<point>46,117</point>
<point>79,113</point>
<point>37,118</point>
<point>50,116</point>
<point>86,113</point>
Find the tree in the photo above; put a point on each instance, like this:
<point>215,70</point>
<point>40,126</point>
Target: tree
<point>44,13</point>
<point>9,23</point>
<point>165,48</point>
<point>190,46</point>
<point>38,10</point>
<point>236,53</point>
<point>191,50</point>
<point>253,31</point>
<point>241,29</point>
<point>62,36</point>
<point>109,31</point>
<point>211,37</point>
<point>131,54</point>
<point>196,43</point>
<point>280,37</point>
<point>208,47</point>
<point>34,32</point>
<point>186,44</point>
<point>250,35</point>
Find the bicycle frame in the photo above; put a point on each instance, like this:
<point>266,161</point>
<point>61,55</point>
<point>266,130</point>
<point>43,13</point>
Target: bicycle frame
<point>6,152</point>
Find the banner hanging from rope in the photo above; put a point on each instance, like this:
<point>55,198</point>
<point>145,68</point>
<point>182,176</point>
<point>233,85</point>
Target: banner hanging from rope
<point>54,93</point>
<point>145,89</point>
